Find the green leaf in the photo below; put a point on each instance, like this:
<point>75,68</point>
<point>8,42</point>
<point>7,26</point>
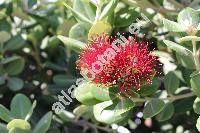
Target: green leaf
<point>5,36</point>
<point>166,113</point>
<point>195,84</point>
<point>18,123</point>
<point>84,8</point>
<point>44,124</point>
<point>15,84</point>
<point>80,110</point>
<point>66,116</point>
<point>79,16</point>
<point>5,114</point>
<point>31,111</point>
<point>186,61</point>
<point>14,43</point>
<point>150,89</point>
<point>196,105</point>
<point>125,18</point>
<point>178,48</point>
<point>79,32</point>
<point>2,80</point>
<point>171,82</point>
<point>76,45</point>
<point>83,94</point>
<point>109,8</point>
<point>13,65</point>
<point>23,105</point>
<point>109,112</point>
<point>63,80</point>
<point>188,18</point>
<point>198,124</point>
<point>183,105</point>
<point>153,107</point>
<point>3,128</point>
<point>172,26</point>
<point>103,93</point>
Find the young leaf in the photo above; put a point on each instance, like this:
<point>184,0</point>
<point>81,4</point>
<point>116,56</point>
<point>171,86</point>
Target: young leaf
<point>153,107</point>
<point>88,98</point>
<point>198,124</point>
<point>188,17</point>
<point>109,112</point>
<point>44,124</point>
<point>20,106</point>
<point>172,26</point>
<point>178,48</point>
<point>66,116</point>
<point>76,45</point>
<point>196,105</point>
<point>99,27</point>
<point>18,123</point>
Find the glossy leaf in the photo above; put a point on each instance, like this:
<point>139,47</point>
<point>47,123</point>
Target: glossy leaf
<point>88,98</point>
<point>18,123</point>
<point>171,82</point>
<point>153,107</point>
<point>5,114</point>
<point>44,124</point>
<point>166,113</point>
<point>66,116</point>
<point>150,89</point>
<point>23,105</point>
<point>13,65</point>
<point>109,112</point>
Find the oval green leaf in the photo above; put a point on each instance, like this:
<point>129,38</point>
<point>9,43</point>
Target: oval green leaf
<point>153,107</point>
<point>44,124</point>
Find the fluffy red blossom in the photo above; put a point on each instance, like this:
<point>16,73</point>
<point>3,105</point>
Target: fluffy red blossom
<point>129,65</point>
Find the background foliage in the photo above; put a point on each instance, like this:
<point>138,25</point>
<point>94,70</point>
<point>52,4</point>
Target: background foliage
<point>39,45</point>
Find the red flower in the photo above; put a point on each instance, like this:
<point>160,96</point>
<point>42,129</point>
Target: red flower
<point>129,65</point>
